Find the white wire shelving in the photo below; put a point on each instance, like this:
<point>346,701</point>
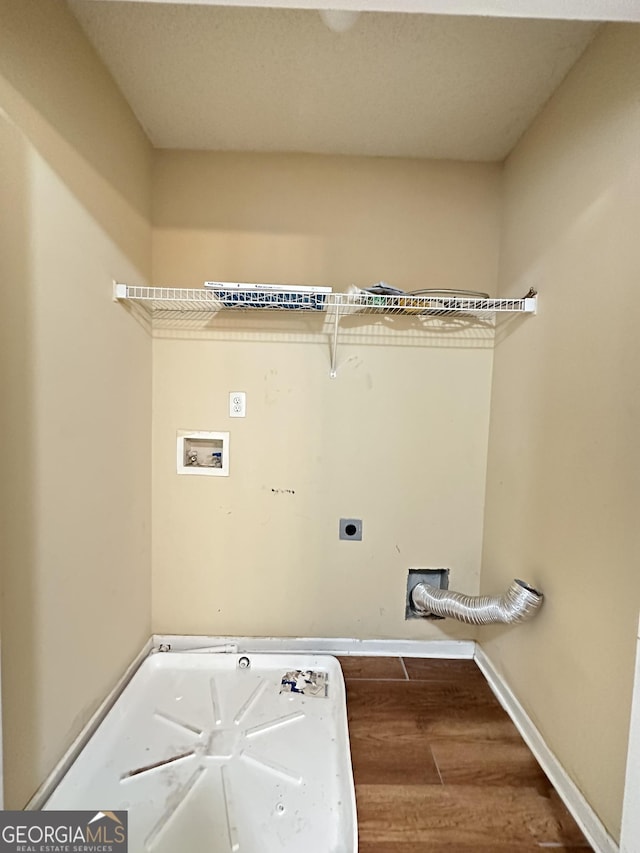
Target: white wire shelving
<point>161,301</point>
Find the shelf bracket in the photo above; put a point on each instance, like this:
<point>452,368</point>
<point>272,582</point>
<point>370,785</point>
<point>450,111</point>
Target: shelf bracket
<point>334,344</point>
<point>119,291</point>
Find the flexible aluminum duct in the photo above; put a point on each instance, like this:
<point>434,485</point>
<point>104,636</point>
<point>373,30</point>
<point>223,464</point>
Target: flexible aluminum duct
<point>518,603</point>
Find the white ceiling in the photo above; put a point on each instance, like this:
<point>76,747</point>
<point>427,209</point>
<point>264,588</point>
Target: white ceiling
<point>271,79</point>
<point>579,10</point>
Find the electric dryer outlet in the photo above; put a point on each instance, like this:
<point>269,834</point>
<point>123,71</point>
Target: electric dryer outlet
<point>351,528</point>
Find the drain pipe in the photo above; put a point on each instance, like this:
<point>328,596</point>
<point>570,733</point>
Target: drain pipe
<point>517,604</point>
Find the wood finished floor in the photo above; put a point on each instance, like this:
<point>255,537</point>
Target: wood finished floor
<point>439,766</point>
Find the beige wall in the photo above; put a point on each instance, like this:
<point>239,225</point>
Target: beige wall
<point>397,439</point>
<point>76,375</point>
<point>563,483</point>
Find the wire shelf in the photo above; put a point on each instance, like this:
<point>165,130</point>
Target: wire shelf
<point>431,306</point>
<point>163,299</point>
<point>172,304</point>
<point>201,299</point>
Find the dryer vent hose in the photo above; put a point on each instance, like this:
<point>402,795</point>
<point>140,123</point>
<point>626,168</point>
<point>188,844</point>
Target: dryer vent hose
<point>517,604</point>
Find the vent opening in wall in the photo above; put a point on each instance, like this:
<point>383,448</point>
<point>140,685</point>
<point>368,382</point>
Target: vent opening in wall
<point>202,452</point>
<point>436,577</point>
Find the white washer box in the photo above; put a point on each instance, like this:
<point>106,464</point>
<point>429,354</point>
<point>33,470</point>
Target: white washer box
<point>203,453</point>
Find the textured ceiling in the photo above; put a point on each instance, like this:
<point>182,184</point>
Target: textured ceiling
<point>258,79</point>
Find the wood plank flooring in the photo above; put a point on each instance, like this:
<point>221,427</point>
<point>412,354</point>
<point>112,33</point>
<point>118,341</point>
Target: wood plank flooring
<point>439,766</point>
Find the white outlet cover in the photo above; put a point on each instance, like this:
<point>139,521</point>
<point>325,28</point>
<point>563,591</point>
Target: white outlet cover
<point>237,404</point>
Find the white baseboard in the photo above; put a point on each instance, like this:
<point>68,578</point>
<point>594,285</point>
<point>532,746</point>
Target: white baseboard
<point>51,782</point>
<point>324,645</point>
<point>570,794</point>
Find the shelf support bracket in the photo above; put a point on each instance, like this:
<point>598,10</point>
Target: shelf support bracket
<point>334,344</point>
<point>119,291</point>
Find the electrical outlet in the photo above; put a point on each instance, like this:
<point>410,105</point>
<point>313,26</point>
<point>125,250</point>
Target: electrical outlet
<point>237,404</point>
<point>351,528</point>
